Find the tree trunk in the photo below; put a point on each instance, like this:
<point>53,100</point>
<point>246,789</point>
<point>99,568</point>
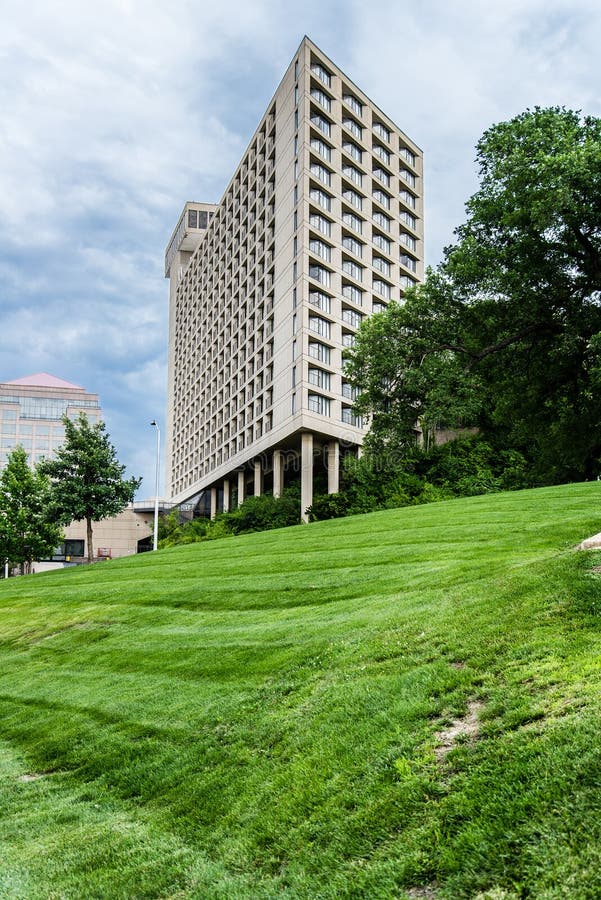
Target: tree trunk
<point>90,547</point>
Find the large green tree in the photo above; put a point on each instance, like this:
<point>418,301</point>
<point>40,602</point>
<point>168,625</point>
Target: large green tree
<point>87,479</point>
<point>27,530</point>
<point>505,334</point>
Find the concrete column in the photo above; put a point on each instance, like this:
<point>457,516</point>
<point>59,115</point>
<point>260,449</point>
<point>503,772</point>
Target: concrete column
<point>213,502</point>
<point>241,487</point>
<point>359,451</point>
<point>333,467</point>
<point>278,473</point>
<point>258,478</point>
<point>306,474</point>
<point>226,495</point>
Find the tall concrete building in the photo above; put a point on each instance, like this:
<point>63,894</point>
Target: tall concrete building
<point>320,225</point>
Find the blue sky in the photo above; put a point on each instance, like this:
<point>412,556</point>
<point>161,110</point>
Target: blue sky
<point>114,114</point>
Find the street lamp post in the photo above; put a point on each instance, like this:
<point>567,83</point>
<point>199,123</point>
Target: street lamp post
<point>155,536</point>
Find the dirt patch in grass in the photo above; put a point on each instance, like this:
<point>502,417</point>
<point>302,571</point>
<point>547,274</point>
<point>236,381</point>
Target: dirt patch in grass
<point>427,892</point>
<point>464,728</point>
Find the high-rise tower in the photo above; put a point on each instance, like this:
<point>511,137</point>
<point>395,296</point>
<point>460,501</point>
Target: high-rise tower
<point>320,225</point>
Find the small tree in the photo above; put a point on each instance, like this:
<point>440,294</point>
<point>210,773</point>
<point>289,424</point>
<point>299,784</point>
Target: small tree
<point>87,479</point>
<point>27,531</point>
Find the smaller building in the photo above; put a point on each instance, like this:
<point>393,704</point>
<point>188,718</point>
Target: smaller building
<point>127,533</point>
<point>31,412</point>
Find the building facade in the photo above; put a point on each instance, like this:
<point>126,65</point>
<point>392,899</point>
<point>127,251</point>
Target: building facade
<point>320,225</point>
<point>31,412</point>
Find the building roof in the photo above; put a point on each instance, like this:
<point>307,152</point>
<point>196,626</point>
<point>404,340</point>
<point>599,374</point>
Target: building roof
<point>43,379</point>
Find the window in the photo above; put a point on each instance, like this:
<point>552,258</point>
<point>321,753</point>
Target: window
<point>349,391</point>
<point>382,242</point>
<point>408,155</point>
<point>408,219</point>
<point>321,122</point>
<point>320,172</point>
<point>407,198</point>
<point>351,317</point>
<point>377,307</point>
<point>382,220</point>
<point>322,148</point>
<point>352,293</point>
<point>353,126</point>
<point>353,198</point>
<point>319,351</point>
<point>353,150</point>
<point>409,262</point>
<point>352,221</point>
<point>348,339</point>
<point>353,269</point>
<point>352,174</point>
<point>70,547</point>
<point>320,197</point>
<point>408,176</point>
<point>381,131</point>
<point>321,73</point>
<point>382,197</point>
<point>382,176</point>
<point>319,326</point>
<point>318,222</point>
<point>382,265</point>
<point>382,153</point>
<point>320,249</point>
<point>354,246</point>
<point>354,104</point>
<point>406,282</point>
<point>320,274</point>
<point>349,419</point>
<point>321,300</point>
<point>321,98</point>
<point>319,378</point>
<point>382,288</point>
<point>192,218</point>
<point>319,404</point>
<point>407,240</point>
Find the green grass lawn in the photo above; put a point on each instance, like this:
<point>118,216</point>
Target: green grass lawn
<point>265,716</point>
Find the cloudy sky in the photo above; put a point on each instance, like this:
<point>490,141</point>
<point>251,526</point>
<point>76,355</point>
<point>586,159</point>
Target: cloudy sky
<point>113,114</point>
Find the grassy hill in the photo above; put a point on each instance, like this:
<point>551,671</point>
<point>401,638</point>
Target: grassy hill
<point>403,704</point>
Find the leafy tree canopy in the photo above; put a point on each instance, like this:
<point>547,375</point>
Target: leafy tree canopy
<point>27,531</point>
<point>505,334</point>
<point>87,479</point>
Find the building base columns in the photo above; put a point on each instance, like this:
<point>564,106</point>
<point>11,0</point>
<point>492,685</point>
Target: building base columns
<point>306,474</point>
<point>258,478</point>
<point>278,473</point>
<point>333,467</point>
<point>226,495</point>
